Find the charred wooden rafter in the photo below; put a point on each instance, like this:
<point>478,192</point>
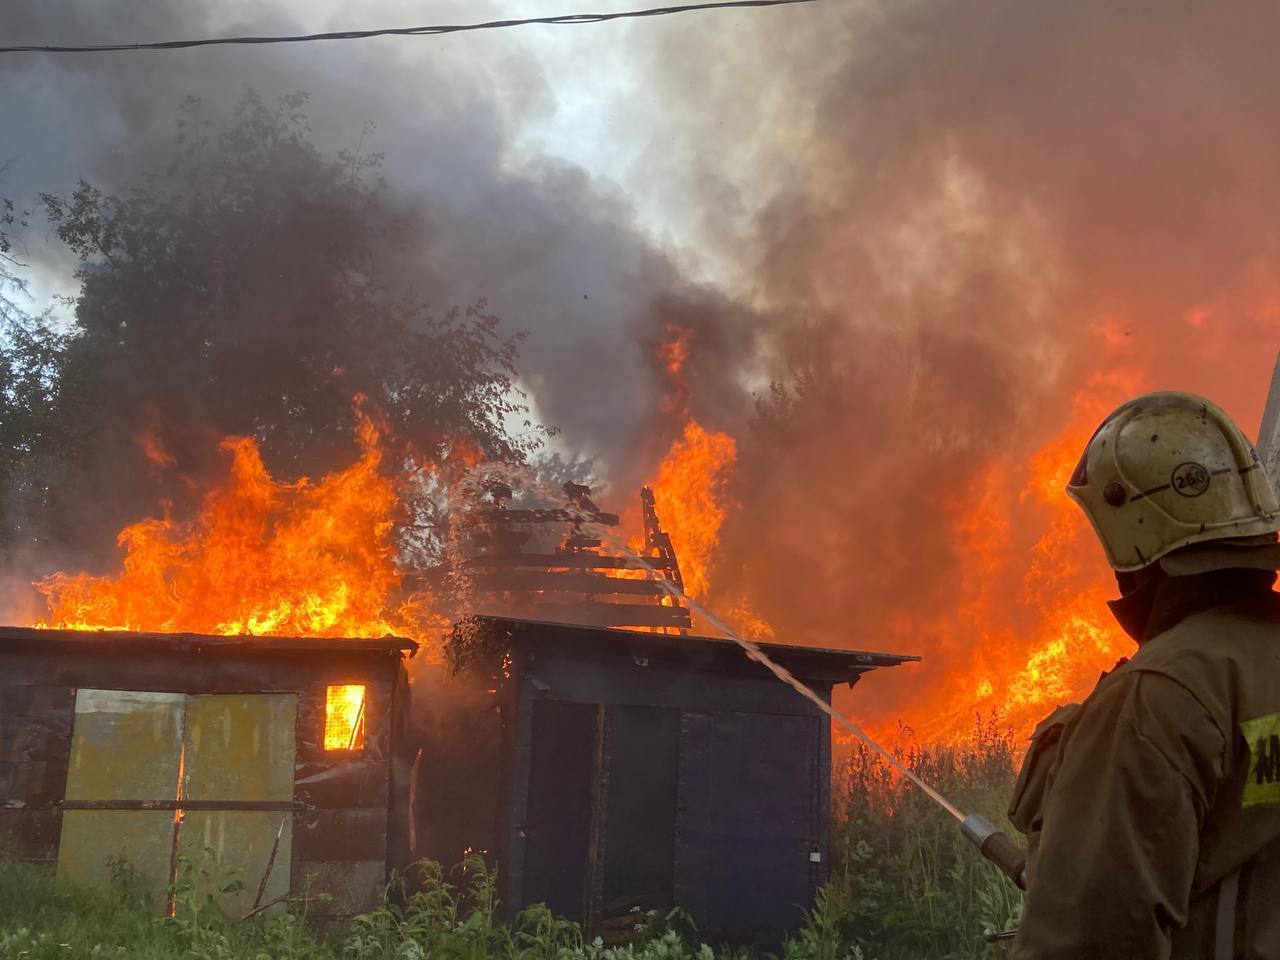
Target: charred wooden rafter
<point>540,585</point>
<point>576,561</point>
<point>502,515</point>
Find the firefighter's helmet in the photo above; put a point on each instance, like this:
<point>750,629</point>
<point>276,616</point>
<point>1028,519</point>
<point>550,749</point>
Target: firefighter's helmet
<point>1168,470</point>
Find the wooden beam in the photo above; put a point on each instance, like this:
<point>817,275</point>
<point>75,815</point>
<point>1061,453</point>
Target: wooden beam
<point>575,561</point>
<point>567,583</point>
<point>496,515</point>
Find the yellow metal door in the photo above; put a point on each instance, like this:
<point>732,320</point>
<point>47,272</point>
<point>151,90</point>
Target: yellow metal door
<point>126,750</point>
<point>169,786</point>
<point>239,751</point>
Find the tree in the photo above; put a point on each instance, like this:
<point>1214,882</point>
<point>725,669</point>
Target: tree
<point>32,437</point>
<point>240,293</point>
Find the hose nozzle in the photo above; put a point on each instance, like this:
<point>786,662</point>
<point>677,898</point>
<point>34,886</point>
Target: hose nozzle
<point>996,846</point>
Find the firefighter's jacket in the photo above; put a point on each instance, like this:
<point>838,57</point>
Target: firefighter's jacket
<point>1153,809</point>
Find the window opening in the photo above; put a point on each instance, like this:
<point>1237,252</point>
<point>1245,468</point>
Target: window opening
<point>344,716</point>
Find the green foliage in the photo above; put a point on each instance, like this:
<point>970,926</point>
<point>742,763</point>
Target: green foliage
<point>255,287</point>
<point>33,437</point>
<point>907,884</point>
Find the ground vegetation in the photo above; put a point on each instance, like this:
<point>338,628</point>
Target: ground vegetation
<point>904,886</point>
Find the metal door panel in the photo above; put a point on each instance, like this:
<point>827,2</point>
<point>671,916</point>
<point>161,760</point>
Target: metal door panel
<point>132,747</point>
<point>637,851</point>
<point>746,822</point>
<point>558,827</point>
<point>240,746</point>
<point>142,838</point>
<point>125,745</point>
<point>223,846</point>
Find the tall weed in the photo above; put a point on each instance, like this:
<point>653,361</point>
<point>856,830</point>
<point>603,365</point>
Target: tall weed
<point>910,885</point>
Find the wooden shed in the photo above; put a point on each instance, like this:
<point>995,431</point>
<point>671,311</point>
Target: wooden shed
<point>279,762</point>
<point>641,771</point>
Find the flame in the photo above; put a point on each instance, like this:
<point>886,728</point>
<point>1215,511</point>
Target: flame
<point>1033,630</point>
<point>154,450</point>
<point>673,355</point>
<point>344,716</point>
<point>262,557</point>
<point>689,489</point>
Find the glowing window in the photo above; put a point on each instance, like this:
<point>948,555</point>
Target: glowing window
<point>344,716</point>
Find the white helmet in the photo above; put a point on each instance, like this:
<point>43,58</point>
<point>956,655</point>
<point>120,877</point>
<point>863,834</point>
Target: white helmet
<point>1167,470</point>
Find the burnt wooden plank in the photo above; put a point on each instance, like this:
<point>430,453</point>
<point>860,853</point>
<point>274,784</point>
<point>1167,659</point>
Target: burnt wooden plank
<point>638,852</point>
<point>340,835</point>
<point>16,699</point>
<point>500,515</point>
<point>35,724</point>
<point>343,784</point>
<point>29,834</point>
<point>53,701</point>
<point>32,782</point>
<point>568,583</point>
<point>34,738</point>
<point>575,561</point>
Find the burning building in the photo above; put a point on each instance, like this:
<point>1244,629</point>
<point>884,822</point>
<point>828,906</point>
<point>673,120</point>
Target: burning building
<point>604,770</point>
<point>642,770</point>
<point>634,770</point>
<point>281,763</point>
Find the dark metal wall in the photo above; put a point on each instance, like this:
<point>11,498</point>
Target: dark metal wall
<point>639,782</point>
<point>350,809</point>
<point>748,822</point>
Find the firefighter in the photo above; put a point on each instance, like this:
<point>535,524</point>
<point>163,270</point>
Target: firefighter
<point>1152,809</point>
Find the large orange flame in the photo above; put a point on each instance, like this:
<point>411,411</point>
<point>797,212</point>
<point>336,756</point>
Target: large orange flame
<point>1031,629</point>
<point>689,490</point>
<point>261,557</point>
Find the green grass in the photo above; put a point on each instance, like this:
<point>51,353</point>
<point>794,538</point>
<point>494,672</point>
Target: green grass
<point>905,886</point>
<point>43,919</point>
<point>909,886</point>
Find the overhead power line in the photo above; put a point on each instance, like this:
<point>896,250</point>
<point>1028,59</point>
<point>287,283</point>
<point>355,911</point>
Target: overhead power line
<point>561,20</point>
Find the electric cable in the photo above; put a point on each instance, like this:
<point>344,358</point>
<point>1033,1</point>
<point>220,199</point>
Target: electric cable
<point>436,30</point>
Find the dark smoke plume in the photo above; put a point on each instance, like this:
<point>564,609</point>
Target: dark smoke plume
<point>941,237</point>
<point>970,223</point>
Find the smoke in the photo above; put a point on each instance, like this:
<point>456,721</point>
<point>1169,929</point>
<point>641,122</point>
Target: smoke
<point>975,229</point>
<point>554,249</point>
<point>934,241</point>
